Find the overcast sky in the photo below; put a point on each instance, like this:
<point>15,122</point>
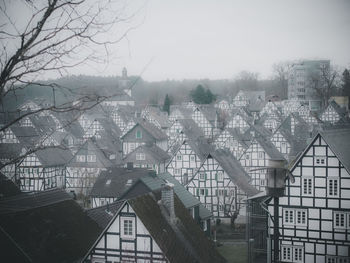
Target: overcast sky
<point>218,38</point>
<point>182,39</point>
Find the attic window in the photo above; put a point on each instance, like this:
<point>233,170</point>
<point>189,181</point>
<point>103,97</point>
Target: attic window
<point>140,156</point>
<point>108,182</point>
<point>129,182</point>
<point>138,134</point>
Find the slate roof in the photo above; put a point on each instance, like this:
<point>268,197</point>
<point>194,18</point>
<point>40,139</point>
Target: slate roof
<point>90,147</point>
<point>200,148</point>
<point>191,129</point>
<point>258,130</point>
<point>10,151</point>
<point>209,112</point>
<point>339,142</point>
<point>182,241</point>
<point>102,215</point>
<point>234,170</point>
<point>118,181</point>
<point>7,187</point>
<point>269,148</point>
<point>159,116</point>
<point>46,226</point>
<point>241,138</point>
<point>54,156</point>
<point>27,136</point>
<point>150,128</point>
<point>151,151</point>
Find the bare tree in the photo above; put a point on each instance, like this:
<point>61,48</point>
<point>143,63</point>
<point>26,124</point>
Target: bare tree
<point>281,71</point>
<point>324,82</point>
<point>55,36</point>
<point>50,38</point>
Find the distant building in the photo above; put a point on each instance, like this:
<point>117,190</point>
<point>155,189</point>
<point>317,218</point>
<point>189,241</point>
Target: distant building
<point>299,82</point>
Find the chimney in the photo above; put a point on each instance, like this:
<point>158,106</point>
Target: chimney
<point>129,166</point>
<point>168,199</point>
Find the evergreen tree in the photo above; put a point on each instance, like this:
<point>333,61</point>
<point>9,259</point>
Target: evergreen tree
<point>166,105</point>
<point>201,96</point>
<point>346,84</point>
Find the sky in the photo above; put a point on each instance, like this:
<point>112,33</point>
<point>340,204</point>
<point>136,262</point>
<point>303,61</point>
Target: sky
<point>219,38</point>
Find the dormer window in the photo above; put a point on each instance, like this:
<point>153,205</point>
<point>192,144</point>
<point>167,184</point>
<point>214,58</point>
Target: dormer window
<point>138,134</point>
<point>140,156</point>
<point>91,158</point>
<point>81,158</point>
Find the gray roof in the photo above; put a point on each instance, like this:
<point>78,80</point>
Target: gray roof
<point>202,149</point>
<point>209,111</point>
<point>54,156</point>
<point>269,148</point>
<point>152,151</point>
<point>102,215</point>
<point>10,150</point>
<point>339,142</point>
<point>27,136</point>
<point>243,139</point>
<point>234,170</point>
<point>117,179</point>
<point>150,128</point>
<point>191,129</point>
<point>341,111</point>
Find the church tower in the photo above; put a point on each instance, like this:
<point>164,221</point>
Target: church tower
<point>124,82</point>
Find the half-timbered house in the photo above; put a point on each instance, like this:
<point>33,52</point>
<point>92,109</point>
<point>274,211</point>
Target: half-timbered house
<point>221,184</point>
<point>206,119</point>
<point>256,156</point>
<point>186,159</point>
<point>314,214</point>
<point>111,183</point>
<point>43,169</point>
<point>153,228</point>
<point>148,156</point>
<point>240,121</point>
<point>84,168</point>
<point>152,183</point>
<point>334,113</point>
<point>232,140</point>
<point>156,117</point>
<point>142,133</point>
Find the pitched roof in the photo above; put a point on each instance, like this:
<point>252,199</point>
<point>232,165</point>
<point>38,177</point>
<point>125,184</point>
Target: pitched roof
<point>114,181</point>
<point>234,170</point>
<point>54,156</point>
<point>47,227</point>
<point>10,150</point>
<point>151,151</point>
<point>269,148</point>
<point>339,142</point>
<point>27,136</point>
<point>102,215</point>
<point>191,129</point>
<point>7,187</point>
<point>150,128</point>
<point>202,149</point>
<point>182,241</point>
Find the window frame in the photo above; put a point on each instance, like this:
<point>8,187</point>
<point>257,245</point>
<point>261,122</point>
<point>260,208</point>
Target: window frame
<point>332,188</point>
<point>129,219</point>
<point>308,187</point>
<point>138,134</point>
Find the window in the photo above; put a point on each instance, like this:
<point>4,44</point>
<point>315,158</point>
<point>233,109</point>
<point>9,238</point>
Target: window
<point>91,158</point>
<point>247,156</point>
<point>221,192</point>
<point>220,176</point>
<point>297,217</point>
<point>202,176</point>
<point>140,156</point>
<point>179,157</point>
<point>202,192</point>
<point>127,227</point>
<point>320,160</point>
<point>192,158</point>
<point>260,155</point>
<point>307,186</point>
<point>292,253</point>
<point>339,259</point>
<point>341,220</point>
<point>221,208</point>
<point>138,134</point>
<point>81,158</point>
<point>177,171</point>
<point>333,187</point>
